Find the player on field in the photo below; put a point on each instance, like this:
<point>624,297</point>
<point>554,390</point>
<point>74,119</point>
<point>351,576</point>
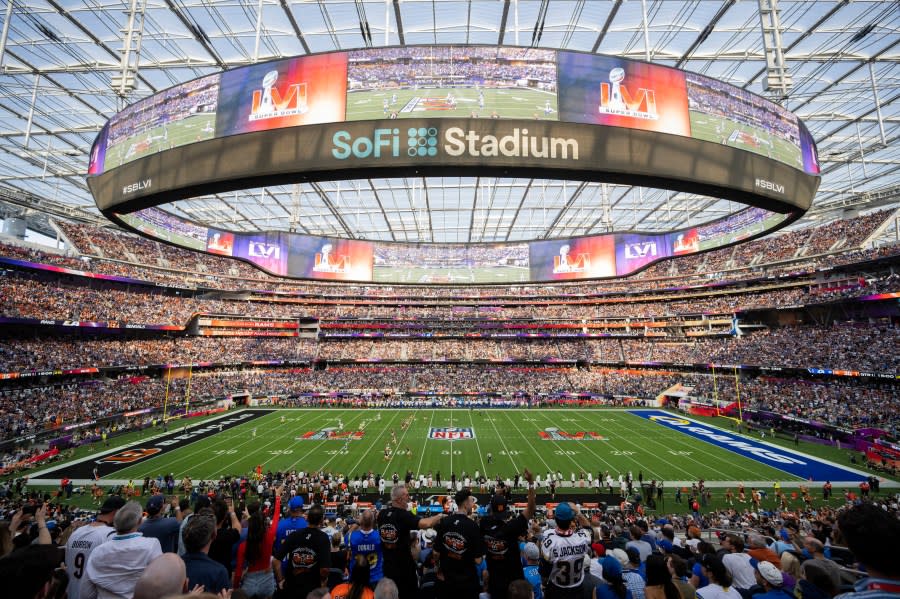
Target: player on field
<point>562,553</point>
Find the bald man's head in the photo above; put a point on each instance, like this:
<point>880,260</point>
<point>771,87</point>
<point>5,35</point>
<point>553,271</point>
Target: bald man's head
<point>163,576</point>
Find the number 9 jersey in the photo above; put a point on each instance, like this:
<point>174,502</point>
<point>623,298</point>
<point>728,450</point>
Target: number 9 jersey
<point>562,561</point>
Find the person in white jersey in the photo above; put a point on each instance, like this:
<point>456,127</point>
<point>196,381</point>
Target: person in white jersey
<point>562,553</point>
<point>86,538</point>
<point>114,567</point>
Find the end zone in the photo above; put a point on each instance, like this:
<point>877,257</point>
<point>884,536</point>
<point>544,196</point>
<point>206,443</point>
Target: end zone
<point>801,465</point>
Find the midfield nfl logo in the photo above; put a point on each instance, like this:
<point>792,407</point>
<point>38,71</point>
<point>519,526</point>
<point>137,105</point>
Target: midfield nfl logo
<point>451,433</point>
<point>554,434</point>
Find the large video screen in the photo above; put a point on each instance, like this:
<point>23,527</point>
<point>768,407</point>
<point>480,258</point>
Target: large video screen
<point>333,259</point>
<point>454,82</point>
<point>180,115</point>
<point>474,82</point>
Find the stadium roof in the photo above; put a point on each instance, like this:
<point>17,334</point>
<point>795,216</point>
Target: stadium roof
<point>64,71</point>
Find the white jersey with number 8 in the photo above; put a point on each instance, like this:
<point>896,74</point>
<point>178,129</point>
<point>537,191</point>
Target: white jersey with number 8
<point>565,555</point>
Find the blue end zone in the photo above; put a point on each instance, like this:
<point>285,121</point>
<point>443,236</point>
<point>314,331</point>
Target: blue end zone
<point>800,465</point>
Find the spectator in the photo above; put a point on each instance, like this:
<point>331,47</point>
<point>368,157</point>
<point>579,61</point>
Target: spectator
<point>86,538</point>
<point>164,576</point>
<point>719,586</point>
<point>679,570</point>
<point>386,589</point>
<point>738,563</point>
<point>395,523</point>
<point>255,571</point>
<point>157,526</point>
<point>532,571</point>
<point>501,539</point>
<point>295,521</point>
<point>30,573</point>
<point>366,542</point>
<point>613,585</point>
<point>562,553</point>
<point>201,569</point>
<point>359,586</point>
<point>772,582</point>
<point>309,556</point>
<point>114,567</point>
<point>659,581</point>
<point>871,534</point>
<point>459,549</point>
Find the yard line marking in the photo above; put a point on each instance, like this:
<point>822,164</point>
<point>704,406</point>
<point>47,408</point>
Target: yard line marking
<point>477,446</point>
<point>384,431</point>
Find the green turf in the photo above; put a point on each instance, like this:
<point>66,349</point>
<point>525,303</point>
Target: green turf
<point>499,274</point>
<point>509,103</point>
<point>632,443</point>
<point>719,130</point>
<point>194,128</point>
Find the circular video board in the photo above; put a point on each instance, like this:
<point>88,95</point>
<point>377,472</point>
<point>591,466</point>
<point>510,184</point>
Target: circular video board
<point>441,110</point>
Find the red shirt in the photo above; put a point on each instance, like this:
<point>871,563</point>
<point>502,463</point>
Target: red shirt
<point>264,560</point>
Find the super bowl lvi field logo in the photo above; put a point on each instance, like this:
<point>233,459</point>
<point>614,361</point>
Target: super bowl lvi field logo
<point>551,433</point>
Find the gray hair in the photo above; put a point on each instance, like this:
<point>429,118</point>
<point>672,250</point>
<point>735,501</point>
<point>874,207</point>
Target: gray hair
<point>397,491</point>
<point>128,517</point>
<point>756,541</point>
<point>386,589</point>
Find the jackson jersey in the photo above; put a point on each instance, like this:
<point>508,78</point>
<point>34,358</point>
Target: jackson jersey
<point>562,555</point>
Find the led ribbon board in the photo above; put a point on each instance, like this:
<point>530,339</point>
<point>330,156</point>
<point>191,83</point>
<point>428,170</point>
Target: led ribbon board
<point>440,110</point>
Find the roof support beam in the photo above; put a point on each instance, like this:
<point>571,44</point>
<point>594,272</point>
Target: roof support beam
<point>399,22</point>
<point>333,209</point>
<point>706,31</point>
<point>199,35</point>
<point>294,25</point>
<point>383,211</point>
<point>563,210</point>
<point>605,28</point>
<point>503,17</point>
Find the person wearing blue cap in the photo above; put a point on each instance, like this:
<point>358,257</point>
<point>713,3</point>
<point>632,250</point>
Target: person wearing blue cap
<point>295,521</point>
<point>612,586</point>
<point>562,553</point>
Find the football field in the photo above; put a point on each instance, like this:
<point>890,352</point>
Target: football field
<point>659,445</point>
<point>459,102</point>
<point>745,137</point>
<point>451,275</point>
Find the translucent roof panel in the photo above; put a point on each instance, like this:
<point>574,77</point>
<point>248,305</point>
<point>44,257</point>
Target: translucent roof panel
<point>60,58</point>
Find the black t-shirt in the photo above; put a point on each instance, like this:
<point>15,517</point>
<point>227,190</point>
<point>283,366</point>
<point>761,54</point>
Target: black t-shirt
<point>460,543</point>
<point>394,527</point>
<point>309,550</point>
<point>220,550</point>
<point>501,546</point>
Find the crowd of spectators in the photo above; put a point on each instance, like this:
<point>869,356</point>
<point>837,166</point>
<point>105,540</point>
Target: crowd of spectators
<point>24,296</point>
<point>844,402</point>
<point>755,259</point>
<point>449,66</point>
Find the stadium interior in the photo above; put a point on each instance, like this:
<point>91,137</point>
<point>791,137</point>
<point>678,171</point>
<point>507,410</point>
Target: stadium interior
<point>111,341</point>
